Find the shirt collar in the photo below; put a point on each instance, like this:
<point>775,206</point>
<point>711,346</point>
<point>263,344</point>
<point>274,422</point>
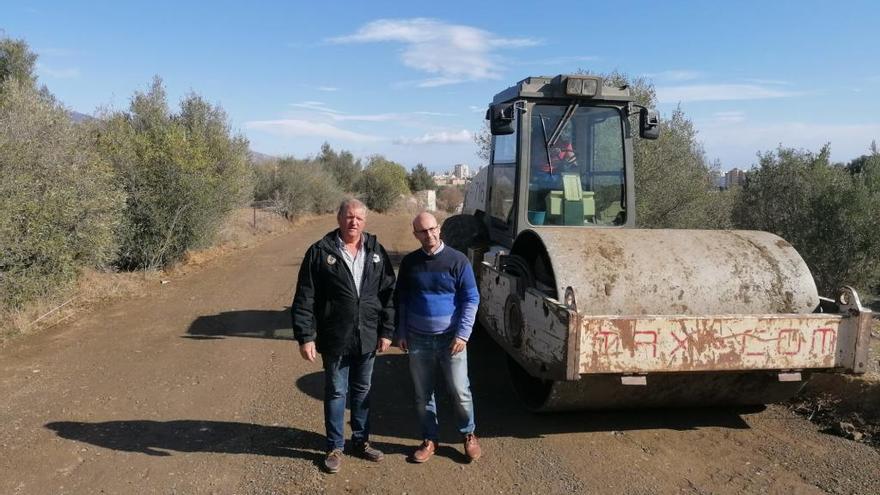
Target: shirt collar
<point>436,251</point>
<point>341,244</point>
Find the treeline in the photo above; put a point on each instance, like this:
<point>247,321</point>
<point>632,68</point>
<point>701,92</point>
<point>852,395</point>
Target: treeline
<point>827,211</point>
<point>132,189</point>
<point>316,185</point>
<point>135,189</point>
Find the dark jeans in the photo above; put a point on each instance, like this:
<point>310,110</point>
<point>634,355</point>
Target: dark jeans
<point>347,376</point>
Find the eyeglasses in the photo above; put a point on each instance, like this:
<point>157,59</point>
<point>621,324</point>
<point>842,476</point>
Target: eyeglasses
<point>429,229</point>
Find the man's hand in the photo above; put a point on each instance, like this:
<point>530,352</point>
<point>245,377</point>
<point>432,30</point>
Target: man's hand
<point>307,351</point>
<point>383,345</point>
<point>458,345</point>
<point>402,344</point>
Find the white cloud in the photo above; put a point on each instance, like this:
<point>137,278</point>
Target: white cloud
<point>307,128</point>
<point>768,81</point>
<point>327,88</point>
<point>340,116</point>
<point>729,117</point>
<point>451,53</point>
<point>317,106</point>
<point>720,92</point>
<point>436,114</point>
<point>379,117</point>
<point>463,136</point>
<point>439,81</point>
<point>67,73</point>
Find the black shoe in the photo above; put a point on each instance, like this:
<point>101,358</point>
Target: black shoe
<point>367,452</point>
<point>333,460</point>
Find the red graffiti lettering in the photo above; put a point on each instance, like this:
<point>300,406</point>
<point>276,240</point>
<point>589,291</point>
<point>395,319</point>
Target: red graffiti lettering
<point>605,340</point>
<point>680,343</point>
<point>829,338</point>
<point>748,336</point>
<point>789,335</point>
<point>651,341</point>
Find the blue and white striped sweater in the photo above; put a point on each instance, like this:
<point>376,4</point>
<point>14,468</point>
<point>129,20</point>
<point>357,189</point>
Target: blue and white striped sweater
<point>436,294</point>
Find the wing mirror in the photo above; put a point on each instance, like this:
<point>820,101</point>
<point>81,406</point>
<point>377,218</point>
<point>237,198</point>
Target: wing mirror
<point>500,119</point>
<point>649,123</point>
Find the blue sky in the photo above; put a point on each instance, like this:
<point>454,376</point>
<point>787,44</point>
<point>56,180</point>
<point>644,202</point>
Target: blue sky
<point>411,80</point>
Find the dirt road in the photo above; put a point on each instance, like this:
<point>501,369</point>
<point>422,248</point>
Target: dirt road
<point>196,387</point>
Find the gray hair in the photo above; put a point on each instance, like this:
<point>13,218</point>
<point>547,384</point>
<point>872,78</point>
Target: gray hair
<point>351,204</point>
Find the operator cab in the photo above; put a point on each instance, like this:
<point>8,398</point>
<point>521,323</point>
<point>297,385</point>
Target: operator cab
<point>563,145</point>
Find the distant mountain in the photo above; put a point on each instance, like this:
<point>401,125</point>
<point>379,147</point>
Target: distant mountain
<point>80,117</point>
<point>258,157</point>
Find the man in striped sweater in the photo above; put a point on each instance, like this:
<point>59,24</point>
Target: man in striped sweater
<point>437,302</point>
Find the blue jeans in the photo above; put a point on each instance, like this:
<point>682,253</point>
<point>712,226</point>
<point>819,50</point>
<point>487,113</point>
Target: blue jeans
<point>347,376</point>
<point>427,353</point>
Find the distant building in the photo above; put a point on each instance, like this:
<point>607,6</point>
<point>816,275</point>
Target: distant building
<point>459,176</point>
<point>735,177</point>
<point>449,180</point>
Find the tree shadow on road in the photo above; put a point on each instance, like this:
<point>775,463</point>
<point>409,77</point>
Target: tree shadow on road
<point>161,438</point>
<point>499,412</point>
<point>255,323</point>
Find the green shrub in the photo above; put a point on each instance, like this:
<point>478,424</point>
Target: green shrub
<point>306,187</point>
<point>382,183</point>
<point>59,203</point>
<point>341,165</point>
<point>420,180</point>
<point>183,174</point>
<point>826,213</point>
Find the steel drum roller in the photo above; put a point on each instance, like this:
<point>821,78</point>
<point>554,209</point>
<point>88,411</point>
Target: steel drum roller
<point>668,272</point>
<point>686,272</point>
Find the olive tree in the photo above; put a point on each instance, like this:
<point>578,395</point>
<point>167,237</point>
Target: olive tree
<point>825,212</point>
<point>420,180</point>
<point>183,173</point>
<point>305,186</point>
<point>382,183</point>
<point>342,166</point>
<point>59,202</point>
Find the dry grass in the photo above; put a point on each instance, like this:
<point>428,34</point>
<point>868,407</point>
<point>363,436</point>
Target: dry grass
<point>244,229</point>
<point>94,286</point>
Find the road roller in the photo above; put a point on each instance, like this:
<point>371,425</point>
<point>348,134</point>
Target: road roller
<point>595,313</point>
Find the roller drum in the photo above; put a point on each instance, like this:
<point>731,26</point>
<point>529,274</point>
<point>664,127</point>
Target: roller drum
<point>687,272</point>
<point>622,272</point>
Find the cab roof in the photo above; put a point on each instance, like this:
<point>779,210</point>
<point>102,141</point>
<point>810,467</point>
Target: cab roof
<point>563,86</point>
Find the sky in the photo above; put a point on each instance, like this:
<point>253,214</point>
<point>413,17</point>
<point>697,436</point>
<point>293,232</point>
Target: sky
<point>411,80</point>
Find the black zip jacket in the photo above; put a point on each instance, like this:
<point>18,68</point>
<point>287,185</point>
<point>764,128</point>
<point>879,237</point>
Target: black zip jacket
<point>326,308</point>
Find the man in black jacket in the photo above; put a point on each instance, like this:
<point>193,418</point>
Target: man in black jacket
<point>343,310</point>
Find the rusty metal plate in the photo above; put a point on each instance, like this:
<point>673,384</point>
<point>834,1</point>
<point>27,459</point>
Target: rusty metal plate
<point>718,343</point>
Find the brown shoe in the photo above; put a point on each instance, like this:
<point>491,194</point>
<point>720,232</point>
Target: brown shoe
<point>333,460</point>
<point>365,451</point>
<point>424,452</point>
<point>472,447</point>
